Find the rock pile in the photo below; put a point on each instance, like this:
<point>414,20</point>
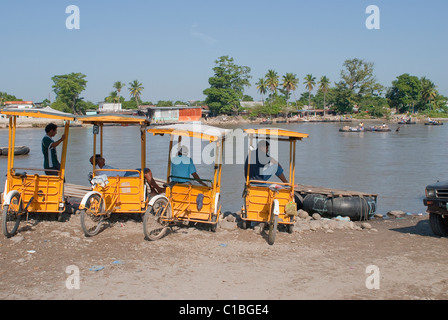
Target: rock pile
<point>304,223</point>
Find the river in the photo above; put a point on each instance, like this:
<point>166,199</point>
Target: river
<point>395,165</point>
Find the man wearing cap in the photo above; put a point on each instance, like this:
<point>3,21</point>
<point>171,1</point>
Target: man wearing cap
<point>262,165</point>
<point>182,167</point>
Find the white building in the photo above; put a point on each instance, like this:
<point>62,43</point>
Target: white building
<point>109,107</point>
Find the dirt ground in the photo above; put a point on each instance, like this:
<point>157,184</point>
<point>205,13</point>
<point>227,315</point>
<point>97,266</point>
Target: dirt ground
<point>396,259</point>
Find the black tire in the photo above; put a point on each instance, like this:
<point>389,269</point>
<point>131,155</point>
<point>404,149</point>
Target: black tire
<point>439,224</point>
<point>273,224</point>
<point>154,220</point>
<point>214,224</point>
<point>12,214</point>
<point>93,216</point>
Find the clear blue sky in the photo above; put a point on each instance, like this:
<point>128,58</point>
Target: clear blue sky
<point>171,45</point>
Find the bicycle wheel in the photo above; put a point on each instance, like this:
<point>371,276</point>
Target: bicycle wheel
<point>155,222</point>
<point>273,223</point>
<point>92,217</point>
<point>12,214</point>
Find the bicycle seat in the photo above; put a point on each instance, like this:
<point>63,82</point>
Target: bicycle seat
<point>20,174</point>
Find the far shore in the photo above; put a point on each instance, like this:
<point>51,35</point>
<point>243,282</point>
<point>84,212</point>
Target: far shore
<point>235,120</point>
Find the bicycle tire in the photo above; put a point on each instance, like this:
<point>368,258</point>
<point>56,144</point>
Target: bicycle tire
<point>273,224</point>
<point>92,215</point>
<point>12,212</point>
<point>154,227</point>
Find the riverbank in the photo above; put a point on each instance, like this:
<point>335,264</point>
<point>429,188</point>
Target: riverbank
<point>192,263</point>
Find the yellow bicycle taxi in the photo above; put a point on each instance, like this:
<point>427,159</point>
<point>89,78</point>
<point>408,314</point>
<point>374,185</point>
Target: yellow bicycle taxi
<point>267,201</point>
<point>120,190</point>
<point>188,200</point>
<point>32,190</point>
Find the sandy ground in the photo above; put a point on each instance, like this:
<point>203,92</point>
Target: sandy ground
<point>396,259</point>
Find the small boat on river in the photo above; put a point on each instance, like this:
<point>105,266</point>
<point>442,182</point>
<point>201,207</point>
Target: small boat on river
<point>434,123</point>
<point>351,129</point>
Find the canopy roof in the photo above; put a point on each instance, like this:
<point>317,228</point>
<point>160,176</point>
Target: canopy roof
<point>196,130</point>
<point>276,133</point>
<point>113,118</point>
<point>46,112</point>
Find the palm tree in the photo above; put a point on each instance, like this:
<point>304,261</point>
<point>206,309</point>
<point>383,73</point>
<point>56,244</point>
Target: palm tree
<point>290,84</point>
<point>262,88</point>
<point>113,97</point>
<point>324,85</point>
<point>118,85</point>
<point>272,80</point>
<point>309,84</point>
<point>429,90</point>
<point>135,89</point>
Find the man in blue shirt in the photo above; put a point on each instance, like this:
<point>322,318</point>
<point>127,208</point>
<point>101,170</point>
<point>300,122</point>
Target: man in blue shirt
<point>262,165</point>
<point>182,167</point>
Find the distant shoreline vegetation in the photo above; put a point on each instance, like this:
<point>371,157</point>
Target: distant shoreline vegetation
<point>356,91</point>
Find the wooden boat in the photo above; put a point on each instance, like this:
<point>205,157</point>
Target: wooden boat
<point>266,122</point>
<point>18,151</point>
<point>434,123</point>
<point>378,129</point>
<point>351,129</point>
<point>406,122</point>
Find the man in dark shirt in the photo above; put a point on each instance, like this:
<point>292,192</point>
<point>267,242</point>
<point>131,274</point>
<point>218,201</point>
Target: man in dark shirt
<point>262,165</point>
<point>49,149</point>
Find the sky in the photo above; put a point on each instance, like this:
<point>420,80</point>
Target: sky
<point>170,46</point>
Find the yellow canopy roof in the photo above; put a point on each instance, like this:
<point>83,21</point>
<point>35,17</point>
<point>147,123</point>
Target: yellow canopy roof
<point>47,112</point>
<point>276,133</point>
<point>113,118</point>
<point>195,130</point>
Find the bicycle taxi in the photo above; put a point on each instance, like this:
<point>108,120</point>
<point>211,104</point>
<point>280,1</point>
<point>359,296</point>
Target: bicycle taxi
<point>187,199</point>
<point>267,201</point>
<point>26,192</point>
<point>113,190</point>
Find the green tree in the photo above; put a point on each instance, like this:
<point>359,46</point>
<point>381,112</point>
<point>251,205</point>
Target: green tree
<point>262,87</point>
<point>429,90</point>
<point>118,85</point>
<point>404,93</point>
<point>324,86</point>
<point>68,87</point>
<point>135,89</point>
<point>227,86</point>
<point>310,82</point>
<point>290,82</point>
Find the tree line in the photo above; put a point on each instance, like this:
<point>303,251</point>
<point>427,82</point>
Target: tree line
<point>357,87</point>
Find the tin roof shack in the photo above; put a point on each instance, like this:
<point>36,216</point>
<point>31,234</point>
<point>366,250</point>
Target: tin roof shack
<point>174,114</point>
<point>19,104</point>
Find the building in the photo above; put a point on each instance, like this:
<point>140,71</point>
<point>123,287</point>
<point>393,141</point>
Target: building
<point>174,114</point>
<point>19,104</point>
<point>109,107</point>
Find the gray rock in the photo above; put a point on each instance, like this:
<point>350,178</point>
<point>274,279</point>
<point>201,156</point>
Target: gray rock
<point>302,214</point>
<point>366,225</point>
<point>316,216</point>
<point>396,213</point>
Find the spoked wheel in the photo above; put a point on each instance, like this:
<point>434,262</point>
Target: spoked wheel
<point>92,217</point>
<point>273,223</point>
<point>155,222</point>
<point>12,214</point>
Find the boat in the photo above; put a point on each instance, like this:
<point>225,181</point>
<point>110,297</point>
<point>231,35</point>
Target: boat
<point>266,122</point>
<point>378,129</point>
<point>18,151</point>
<point>351,129</point>
<point>434,123</point>
<point>406,122</point>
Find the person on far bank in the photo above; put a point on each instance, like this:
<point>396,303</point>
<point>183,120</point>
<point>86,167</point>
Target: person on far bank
<point>51,161</point>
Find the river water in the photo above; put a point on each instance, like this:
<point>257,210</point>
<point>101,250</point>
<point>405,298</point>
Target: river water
<point>395,165</point>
